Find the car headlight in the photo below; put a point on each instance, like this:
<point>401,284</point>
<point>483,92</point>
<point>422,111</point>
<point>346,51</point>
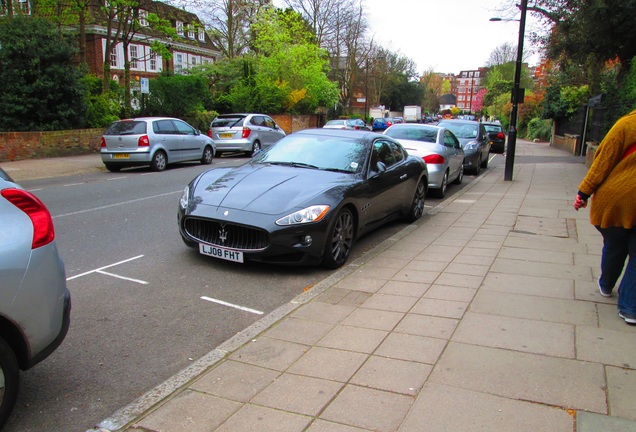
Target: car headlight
<point>472,145</point>
<point>185,197</point>
<point>306,215</point>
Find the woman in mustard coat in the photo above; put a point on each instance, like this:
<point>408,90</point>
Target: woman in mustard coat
<point>612,181</point>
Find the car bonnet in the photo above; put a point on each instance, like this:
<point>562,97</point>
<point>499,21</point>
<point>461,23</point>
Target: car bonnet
<point>267,189</point>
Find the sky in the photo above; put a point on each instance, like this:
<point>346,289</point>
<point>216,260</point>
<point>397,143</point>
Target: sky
<point>447,36</point>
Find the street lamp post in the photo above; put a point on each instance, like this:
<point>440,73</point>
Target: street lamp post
<point>516,95</point>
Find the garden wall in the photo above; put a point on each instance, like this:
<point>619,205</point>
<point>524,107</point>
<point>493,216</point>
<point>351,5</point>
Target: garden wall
<point>34,145</point>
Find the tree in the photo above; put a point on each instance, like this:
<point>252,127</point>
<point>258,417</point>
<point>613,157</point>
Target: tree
<point>504,53</point>
<point>41,87</point>
<point>287,73</point>
<point>230,22</point>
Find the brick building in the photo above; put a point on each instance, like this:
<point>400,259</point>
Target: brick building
<point>467,84</point>
<point>189,44</point>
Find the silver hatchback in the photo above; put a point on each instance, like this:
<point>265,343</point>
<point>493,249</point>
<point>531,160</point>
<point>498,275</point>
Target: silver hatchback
<point>244,132</point>
<point>35,303</point>
<point>154,141</point>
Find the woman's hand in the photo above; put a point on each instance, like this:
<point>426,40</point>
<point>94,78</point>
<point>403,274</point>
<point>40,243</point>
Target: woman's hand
<point>579,203</point>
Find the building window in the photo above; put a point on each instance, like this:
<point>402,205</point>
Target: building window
<point>134,56</point>
<point>153,61</point>
<point>193,61</point>
<point>143,18</point>
<point>179,26</point>
<point>178,63</point>
<point>201,35</point>
<point>191,33</point>
<point>113,57</point>
<point>476,74</point>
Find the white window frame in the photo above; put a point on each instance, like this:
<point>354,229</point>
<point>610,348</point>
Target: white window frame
<point>191,34</point>
<point>179,27</point>
<point>152,61</point>
<point>114,57</point>
<point>178,63</point>
<point>133,56</point>
<point>201,35</point>
<point>143,18</point>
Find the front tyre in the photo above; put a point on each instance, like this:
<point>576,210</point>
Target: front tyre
<point>339,240</point>
<point>208,155</point>
<point>159,161</point>
<point>11,381</point>
<point>417,206</point>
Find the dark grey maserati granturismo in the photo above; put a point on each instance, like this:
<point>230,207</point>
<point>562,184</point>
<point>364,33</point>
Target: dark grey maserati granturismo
<point>305,200</point>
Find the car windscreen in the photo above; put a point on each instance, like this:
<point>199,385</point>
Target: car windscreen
<point>335,122</point>
<point>423,134</point>
<point>462,130</point>
<point>229,121</point>
<point>318,152</point>
<point>126,128</point>
<point>493,128</point>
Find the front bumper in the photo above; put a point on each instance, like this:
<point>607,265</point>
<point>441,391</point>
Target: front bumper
<point>292,245</point>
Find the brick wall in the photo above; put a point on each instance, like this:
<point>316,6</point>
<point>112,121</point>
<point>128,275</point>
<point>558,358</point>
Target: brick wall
<point>34,145</point>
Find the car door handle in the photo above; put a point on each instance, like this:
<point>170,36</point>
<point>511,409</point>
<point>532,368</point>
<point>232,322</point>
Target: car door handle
<point>403,176</point>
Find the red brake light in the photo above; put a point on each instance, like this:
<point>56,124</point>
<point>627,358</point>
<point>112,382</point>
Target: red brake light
<point>43,232</point>
<point>246,132</point>
<point>500,135</point>
<point>143,141</point>
<point>210,133</point>
<point>434,159</point>
<point>103,144</point>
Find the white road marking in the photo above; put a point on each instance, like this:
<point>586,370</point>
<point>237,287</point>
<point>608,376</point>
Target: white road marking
<point>103,268</point>
<point>122,277</point>
<point>74,184</point>
<point>254,311</point>
<point>116,178</point>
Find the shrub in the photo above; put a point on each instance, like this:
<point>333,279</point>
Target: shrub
<point>201,119</point>
<point>539,129</point>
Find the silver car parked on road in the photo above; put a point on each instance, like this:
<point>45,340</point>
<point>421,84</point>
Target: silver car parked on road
<point>439,148</point>
<point>154,141</point>
<point>35,304</point>
<point>244,132</point>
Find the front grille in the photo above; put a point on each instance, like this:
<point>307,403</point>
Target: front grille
<point>226,234</point>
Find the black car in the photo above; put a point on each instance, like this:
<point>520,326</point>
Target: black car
<point>497,137</point>
<point>474,140</point>
<point>305,200</point>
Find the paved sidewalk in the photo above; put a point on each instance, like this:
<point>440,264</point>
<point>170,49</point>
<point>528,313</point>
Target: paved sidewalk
<point>32,169</point>
<point>484,315</point>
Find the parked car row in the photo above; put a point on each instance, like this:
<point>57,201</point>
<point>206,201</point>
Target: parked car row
<point>159,141</point>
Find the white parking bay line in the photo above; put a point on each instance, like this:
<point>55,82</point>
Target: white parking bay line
<point>103,268</point>
<point>254,311</point>
<point>122,277</point>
